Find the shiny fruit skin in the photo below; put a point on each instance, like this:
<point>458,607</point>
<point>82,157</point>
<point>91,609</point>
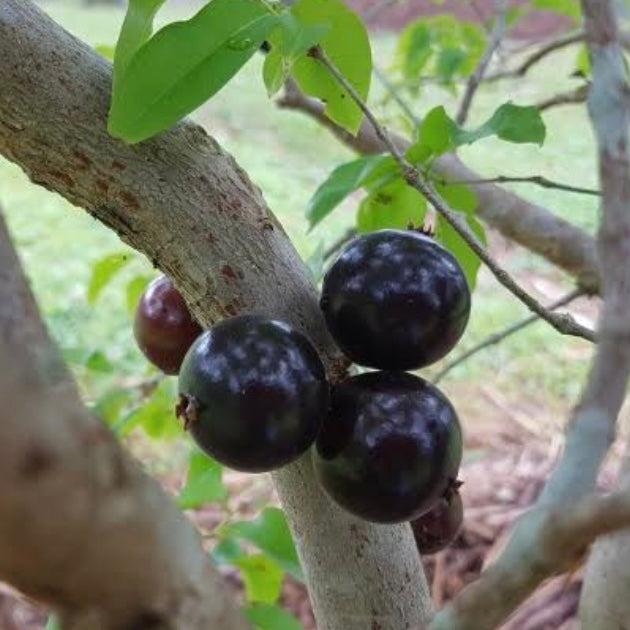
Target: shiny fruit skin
<point>259,393</point>
<point>395,300</point>
<point>389,448</point>
<point>438,528</point>
<point>163,327</point>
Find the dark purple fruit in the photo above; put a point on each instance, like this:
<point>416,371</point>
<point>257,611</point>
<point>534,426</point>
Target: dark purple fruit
<point>437,528</point>
<point>253,393</point>
<point>390,446</point>
<point>164,328</point>
<point>395,300</point>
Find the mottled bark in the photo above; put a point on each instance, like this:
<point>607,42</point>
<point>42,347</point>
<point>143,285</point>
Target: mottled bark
<point>184,202</point>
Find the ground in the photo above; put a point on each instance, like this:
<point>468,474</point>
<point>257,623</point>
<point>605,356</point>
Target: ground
<point>512,398</point>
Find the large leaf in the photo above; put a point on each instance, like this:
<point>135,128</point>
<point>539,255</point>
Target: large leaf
<point>204,483</point>
<point>439,133</point>
<point>347,45</point>
<point>262,578</point>
<point>289,42</point>
<point>344,180</point>
<point>135,31</point>
<point>394,206</point>
<point>104,271</point>
<point>184,64</point>
<point>270,617</point>
<point>270,533</point>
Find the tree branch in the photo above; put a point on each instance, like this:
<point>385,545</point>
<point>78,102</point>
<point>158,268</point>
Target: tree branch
<point>539,180</point>
<point>498,337</point>
<point>577,96</point>
<point>521,221</point>
<point>592,427</point>
<point>562,323</point>
<point>81,526</point>
<point>496,35</point>
<point>184,202</point>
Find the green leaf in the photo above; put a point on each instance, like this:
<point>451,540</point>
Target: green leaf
<point>262,578</point>
<point>570,8</point>
<point>394,206</point>
<point>344,180</point>
<point>583,61</point>
<point>449,61</point>
<point>204,483</point>
<point>510,122</point>
<point>135,31</point>
<point>184,64</point>
<point>269,617</point>
<point>53,623</point>
<point>111,404</point>
<point>156,416</point>
<point>270,533</point>
<point>135,288</point>
<point>347,45</point>
<point>288,43</point>
<point>437,134</point>
<point>468,260</point>
<point>227,552</point>
<point>98,362</point>
<point>104,50</point>
<point>103,272</point>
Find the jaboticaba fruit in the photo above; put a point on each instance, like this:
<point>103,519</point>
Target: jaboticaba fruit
<point>437,528</point>
<point>395,300</point>
<point>389,448</point>
<point>253,393</point>
<point>164,328</point>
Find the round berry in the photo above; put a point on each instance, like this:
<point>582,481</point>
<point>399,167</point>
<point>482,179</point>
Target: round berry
<point>390,446</point>
<point>395,300</point>
<point>163,327</point>
<point>253,393</point>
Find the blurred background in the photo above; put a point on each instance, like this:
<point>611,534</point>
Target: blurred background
<point>513,398</point>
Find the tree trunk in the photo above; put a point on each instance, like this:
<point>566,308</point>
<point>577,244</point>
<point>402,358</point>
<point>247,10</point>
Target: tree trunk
<point>184,202</point>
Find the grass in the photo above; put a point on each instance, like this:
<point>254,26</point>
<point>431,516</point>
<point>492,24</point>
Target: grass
<point>288,155</point>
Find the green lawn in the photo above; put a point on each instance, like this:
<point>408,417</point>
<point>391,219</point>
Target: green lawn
<point>287,156</point>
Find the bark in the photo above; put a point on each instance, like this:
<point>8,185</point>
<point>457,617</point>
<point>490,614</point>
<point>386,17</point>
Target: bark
<point>532,226</point>
<point>184,202</point>
<point>81,526</point>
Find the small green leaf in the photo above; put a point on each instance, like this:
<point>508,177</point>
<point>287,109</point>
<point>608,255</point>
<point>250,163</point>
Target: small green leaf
<point>393,206</point>
<point>227,552</point>
<point>583,61</point>
<point>270,533</point>
<point>204,483</point>
<point>570,8</point>
<point>449,61</point>
<point>105,51</point>
<point>98,362</point>
<point>135,31</point>
<point>458,196</point>
<point>184,64</point>
<point>510,122</point>
<point>269,617</point>
<point>135,288</point>
<point>112,403</point>
<point>262,578</point>
<point>347,45</point>
<point>437,134</point>
<point>156,416</point>
<point>53,623</point>
<point>288,43</point>
<point>344,180</point>
<point>104,271</point>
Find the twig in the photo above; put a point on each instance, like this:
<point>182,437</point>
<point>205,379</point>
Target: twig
<point>562,323</point>
<point>505,333</point>
<point>395,94</point>
<point>346,237</point>
<point>539,180</point>
<point>535,57</point>
<point>579,95</point>
<point>498,31</point>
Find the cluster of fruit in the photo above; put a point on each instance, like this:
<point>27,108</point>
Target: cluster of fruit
<point>254,394</point>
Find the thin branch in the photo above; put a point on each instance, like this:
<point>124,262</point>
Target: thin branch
<point>564,324</point>
<point>572,97</point>
<point>497,34</point>
<point>485,603</point>
<point>539,180</point>
<point>395,94</point>
<point>505,333</point>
